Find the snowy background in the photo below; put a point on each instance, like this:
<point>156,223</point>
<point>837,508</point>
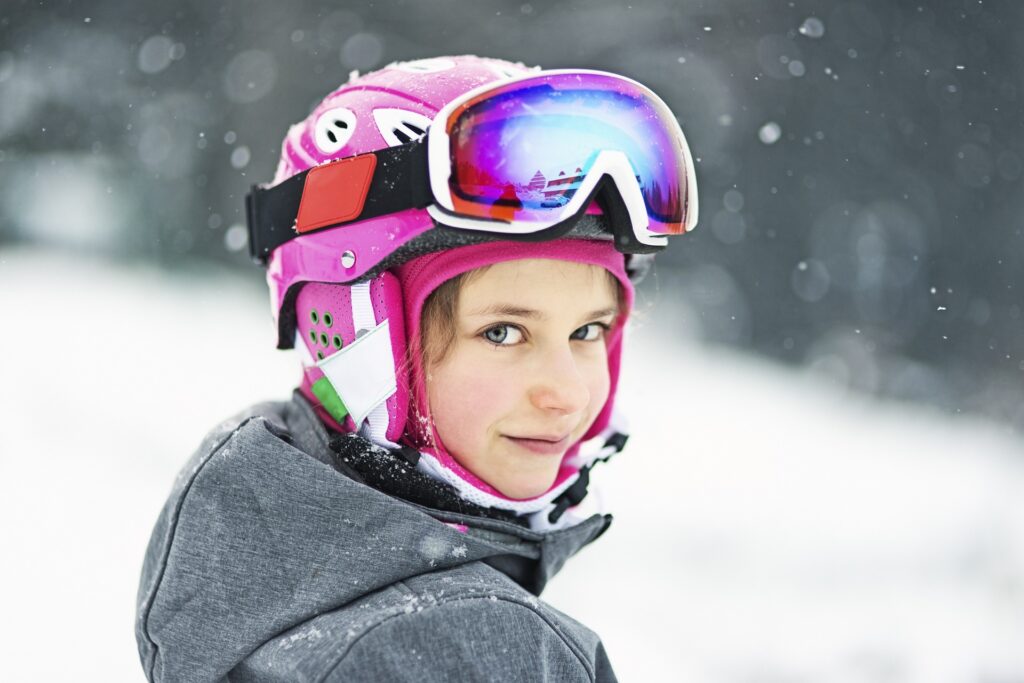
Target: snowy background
<point>769,525</point>
<point>859,161</point>
<point>827,472</point>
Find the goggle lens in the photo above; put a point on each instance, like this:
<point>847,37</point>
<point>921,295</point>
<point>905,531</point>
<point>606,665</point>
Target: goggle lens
<point>521,152</point>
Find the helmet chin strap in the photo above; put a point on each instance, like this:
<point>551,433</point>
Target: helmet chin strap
<point>574,495</point>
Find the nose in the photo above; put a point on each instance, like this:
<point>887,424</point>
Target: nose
<point>559,385</point>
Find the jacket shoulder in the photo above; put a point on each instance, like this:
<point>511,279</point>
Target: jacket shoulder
<point>466,623</point>
<point>182,537</point>
<point>467,638</point>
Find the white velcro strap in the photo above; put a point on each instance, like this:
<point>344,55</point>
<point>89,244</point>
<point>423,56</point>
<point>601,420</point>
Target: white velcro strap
<point>300,348</point>
<point>376,428</point>
<point>362,307</point>
<point>363,373</point>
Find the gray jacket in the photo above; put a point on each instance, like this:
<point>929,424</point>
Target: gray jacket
<point>271,562</point>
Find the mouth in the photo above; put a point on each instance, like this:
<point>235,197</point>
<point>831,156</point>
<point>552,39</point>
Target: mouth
<point>541,445</point>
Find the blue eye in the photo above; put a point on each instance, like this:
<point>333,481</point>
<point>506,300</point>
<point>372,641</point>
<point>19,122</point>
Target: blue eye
<point>503,335</point>
<point>590,332</point>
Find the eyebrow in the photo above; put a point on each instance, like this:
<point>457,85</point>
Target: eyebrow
<point>531,314</point>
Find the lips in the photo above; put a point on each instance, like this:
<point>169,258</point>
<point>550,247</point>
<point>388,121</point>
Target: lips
<point>542,445</point>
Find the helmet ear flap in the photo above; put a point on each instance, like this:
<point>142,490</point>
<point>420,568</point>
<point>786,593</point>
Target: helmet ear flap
<point>353,344</point>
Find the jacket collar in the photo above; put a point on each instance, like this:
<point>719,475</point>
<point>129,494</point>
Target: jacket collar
<point>529,557</point>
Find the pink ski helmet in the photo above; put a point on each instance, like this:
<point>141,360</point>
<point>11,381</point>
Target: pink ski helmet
<point>349,300</point>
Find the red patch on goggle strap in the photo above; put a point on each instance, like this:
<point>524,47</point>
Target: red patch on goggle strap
<point>335,192</point>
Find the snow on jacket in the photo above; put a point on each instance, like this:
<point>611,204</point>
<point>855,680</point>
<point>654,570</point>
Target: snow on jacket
<point>271,561</point>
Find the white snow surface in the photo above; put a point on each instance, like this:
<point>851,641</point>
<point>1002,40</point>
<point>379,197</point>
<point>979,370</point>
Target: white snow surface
<point>769,527</point>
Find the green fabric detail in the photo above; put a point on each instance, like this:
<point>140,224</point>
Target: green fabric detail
<point>325,393</point>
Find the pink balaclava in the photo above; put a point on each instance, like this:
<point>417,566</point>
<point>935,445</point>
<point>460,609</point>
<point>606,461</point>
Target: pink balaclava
<point>421,276</point>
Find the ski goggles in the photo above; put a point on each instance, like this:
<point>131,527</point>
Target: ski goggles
<point>522,158</point>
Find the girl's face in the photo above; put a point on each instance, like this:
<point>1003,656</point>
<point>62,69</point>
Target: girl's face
<point>527,372</point>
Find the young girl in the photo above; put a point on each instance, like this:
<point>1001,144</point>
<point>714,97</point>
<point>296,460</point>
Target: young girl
<point>456,283</point>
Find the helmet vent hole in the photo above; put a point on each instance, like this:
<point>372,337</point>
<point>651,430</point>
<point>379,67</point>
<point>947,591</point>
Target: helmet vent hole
<point>337,341</point>
<point>425,66</point>
<point>314,317</point>
<point>399,126</point>
<point>333,129</point>
<point>323,339</point>
<point>328,319</point>
<point>507,72</point>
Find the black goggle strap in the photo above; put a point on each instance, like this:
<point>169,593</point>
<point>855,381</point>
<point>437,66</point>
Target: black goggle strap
<point>399,181</point>
<point>575,494</point>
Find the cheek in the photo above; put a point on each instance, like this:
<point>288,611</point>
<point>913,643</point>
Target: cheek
<point>599,383</point>
<point>466,398</point>
<point>593,367</point>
